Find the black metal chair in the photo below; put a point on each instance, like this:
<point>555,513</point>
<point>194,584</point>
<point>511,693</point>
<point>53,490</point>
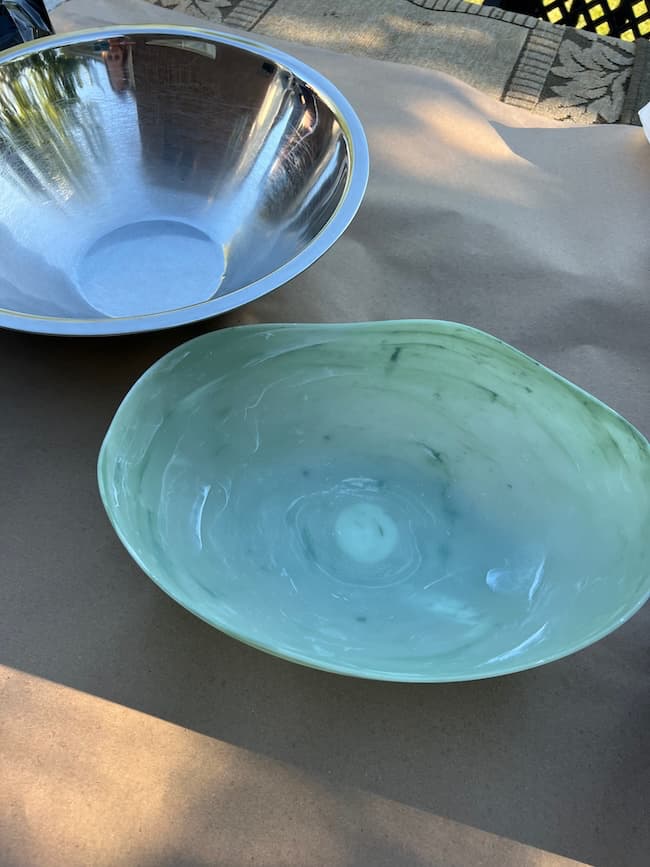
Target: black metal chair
<point>625,19</point>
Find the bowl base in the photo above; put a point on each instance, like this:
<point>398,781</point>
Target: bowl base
<point>150,267</point>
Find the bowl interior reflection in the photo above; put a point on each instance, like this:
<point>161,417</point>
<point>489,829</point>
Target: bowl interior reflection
<point>150,172</point>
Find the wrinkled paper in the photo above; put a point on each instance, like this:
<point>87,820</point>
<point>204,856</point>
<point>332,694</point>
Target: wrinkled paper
<point>477,212</point>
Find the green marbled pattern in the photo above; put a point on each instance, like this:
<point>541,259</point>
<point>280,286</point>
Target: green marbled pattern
<point>249,471</point>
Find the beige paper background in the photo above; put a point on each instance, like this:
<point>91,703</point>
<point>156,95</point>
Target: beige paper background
<point>132,733</point>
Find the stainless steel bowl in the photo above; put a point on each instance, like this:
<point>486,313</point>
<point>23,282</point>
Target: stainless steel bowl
<point>154,176</point>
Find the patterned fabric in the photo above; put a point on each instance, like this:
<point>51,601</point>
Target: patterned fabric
<point>589,77</point>
<point>569,74</point>
<point>220,11</point>
<point>572,75</point>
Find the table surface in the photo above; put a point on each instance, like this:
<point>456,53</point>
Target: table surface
<point>131,733</point>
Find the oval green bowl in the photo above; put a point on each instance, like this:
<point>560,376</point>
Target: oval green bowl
<point>409,501</point>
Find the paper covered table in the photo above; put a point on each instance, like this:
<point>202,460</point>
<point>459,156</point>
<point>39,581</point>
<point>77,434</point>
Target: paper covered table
<point>132,733</point>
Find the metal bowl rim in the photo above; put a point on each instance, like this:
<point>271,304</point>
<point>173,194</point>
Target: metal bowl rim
<point>345,211</point>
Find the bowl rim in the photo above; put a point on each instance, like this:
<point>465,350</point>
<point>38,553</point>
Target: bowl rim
<point>343,215</point>
<point>341,668</point>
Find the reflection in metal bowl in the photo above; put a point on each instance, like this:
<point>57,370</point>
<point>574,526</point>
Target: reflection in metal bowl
<point>163,175</point>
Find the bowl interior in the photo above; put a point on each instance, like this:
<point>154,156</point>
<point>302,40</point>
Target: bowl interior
<point>152,171</point>
<point>409,501</point>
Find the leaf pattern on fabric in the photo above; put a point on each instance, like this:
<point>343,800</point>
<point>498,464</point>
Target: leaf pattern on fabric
<point>212,10</point>
<point>589,79</point>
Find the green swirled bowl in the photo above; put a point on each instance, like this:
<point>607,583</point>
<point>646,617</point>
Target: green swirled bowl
<point>410,501</point>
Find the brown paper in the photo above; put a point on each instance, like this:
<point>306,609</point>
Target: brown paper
<point>209,752</point>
